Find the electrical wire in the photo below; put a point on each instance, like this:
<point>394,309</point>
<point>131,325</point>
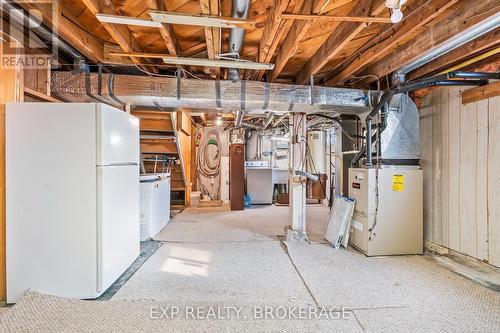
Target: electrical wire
<point>153,74</point>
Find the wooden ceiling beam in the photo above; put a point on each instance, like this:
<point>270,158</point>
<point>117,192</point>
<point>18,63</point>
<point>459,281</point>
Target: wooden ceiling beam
<point>339,38</point>
<point>120,33</point>
<point>202,20</point>
<point>349,18</point>
<point>480,93</point>
<point>167,32</point>
<point>212,35</point>
<point>469,13</point>
<point>390,38</point>
<point>273,32</point>
<point>69,28</point>
<point>295,34</point>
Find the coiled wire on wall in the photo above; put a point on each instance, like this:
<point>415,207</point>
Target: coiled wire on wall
<point>206,165</point>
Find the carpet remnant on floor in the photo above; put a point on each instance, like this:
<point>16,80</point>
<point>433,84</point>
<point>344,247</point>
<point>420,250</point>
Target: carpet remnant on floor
<point>231,272</point>
<point>42,313</point>
<point>398,293</point>
<point>218,259</point>
<point>259,223</point>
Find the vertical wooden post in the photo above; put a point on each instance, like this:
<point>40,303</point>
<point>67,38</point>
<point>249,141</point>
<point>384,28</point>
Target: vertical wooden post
<point>11,90</point>
<point>297,190</point>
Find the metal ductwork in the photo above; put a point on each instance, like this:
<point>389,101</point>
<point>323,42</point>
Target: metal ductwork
<point>236,35</point>
<point>466,36</point>
<point>268,121</point>
<point>238,119</point>
<point>174,92</point>
<point>400,126</point>
<point>250,125</point>
<point>400,140</point>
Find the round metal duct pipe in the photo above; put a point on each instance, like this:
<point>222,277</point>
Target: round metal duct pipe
<point>240,10</point>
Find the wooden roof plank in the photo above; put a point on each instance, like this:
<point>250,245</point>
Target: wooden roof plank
<point>212,35</point>
<point>340,37</point>
<point>121,34</point>
<point>392,37</point>
<point>295,35</point>
<point>69,28</point>
<point>468,14</point>
<point>478,45</point>
<point>167,32</point>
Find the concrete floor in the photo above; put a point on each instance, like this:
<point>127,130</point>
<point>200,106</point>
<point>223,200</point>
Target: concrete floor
<point>212,258</point>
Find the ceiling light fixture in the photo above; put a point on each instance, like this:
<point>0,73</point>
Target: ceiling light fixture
<point>395,8</point>
<point>397,15</point>
<point>218,120</point>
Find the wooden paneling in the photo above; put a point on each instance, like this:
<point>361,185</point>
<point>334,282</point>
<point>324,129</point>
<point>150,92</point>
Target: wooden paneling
<point>184,147</point>
<point>461,173</point>
<point>11,90</point>
<point>493,181</point>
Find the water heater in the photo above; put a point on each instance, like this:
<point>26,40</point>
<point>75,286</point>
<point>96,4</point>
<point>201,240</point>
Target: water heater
<point>316,162</point>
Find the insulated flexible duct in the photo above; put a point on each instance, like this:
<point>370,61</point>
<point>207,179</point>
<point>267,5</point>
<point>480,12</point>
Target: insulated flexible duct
<point>164,92</point>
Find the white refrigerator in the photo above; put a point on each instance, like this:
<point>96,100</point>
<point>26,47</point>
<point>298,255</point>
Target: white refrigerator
<point>72,197</point>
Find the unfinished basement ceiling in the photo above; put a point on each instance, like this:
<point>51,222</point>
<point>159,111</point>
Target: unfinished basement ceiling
<point>336,53</point>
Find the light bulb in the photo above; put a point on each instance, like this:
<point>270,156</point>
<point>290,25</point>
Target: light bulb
<point>396,16</point>
<point>218,120</point>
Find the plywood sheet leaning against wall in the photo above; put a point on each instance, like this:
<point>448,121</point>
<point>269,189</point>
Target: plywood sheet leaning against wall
<point>461,162</point>
<point>11,90</point>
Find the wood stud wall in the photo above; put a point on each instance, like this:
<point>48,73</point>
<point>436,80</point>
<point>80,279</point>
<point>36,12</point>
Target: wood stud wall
<point>461,161</point>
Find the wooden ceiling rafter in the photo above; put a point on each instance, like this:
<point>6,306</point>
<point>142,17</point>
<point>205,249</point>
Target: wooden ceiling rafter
<point>212,35</point>
<point>167,31</point>
<point>465,16</point>
<point>392,37</point>
<point>121,34</point>
<point>273,32</point>
<point>348,18</point>
<point>339,38</point>
<point>69,28</point>
<point>295,34</point>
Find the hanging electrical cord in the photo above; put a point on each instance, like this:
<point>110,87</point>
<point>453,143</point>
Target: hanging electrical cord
<point>377,167</point>
<point>209,166</point>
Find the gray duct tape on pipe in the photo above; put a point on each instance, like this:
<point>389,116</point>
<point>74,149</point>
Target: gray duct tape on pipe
<point>218,94</point>
<point>243,94</point>
<point>111,90</point>
<point>292,99</point>
<point>266,96</point>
